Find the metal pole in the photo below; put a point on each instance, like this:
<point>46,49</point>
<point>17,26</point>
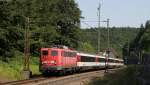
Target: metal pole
<point>26,73</point>
<point>99,33</point>
<point>108,34</point>
<point>108,51</point>
<point>26,46</point>
<point>28,42</point>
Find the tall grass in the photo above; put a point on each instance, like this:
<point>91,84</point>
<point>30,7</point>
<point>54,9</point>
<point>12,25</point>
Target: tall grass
<point>12,69</point>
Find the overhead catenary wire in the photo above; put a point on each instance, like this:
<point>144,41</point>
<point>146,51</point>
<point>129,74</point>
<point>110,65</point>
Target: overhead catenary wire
<point>87,24</point>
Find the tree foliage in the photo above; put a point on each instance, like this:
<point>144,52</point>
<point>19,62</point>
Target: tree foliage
<point>86,47</point>
<point>145,41</point>
<point>51,22</point>
<point>137,50</point>
<point>118,37</point>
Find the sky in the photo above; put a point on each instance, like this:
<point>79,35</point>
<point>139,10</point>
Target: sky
<point>122,13</point>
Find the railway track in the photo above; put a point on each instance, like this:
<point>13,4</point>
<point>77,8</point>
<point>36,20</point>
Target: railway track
<point>72,78</point>
<point>23,81</point>
<point>57,80</point>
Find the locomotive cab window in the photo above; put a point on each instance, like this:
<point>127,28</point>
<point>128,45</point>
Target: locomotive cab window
<point>54,53</point>
<point>45,52</point>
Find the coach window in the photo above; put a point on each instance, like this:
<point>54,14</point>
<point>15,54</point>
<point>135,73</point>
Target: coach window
<point>74,54</point>
<point>110,60</point>
<point>62,53</point>
<point>45,52</point>
<point>54,53</point>
<point>65,54</point>
<point>120,61</point>
<point>101,60</point>
<point>69,54</point>
<point>87,59</point>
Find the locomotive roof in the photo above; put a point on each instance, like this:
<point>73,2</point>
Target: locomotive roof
<point>55,48</point>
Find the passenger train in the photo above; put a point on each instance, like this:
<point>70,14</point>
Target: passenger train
<point>63,60</point>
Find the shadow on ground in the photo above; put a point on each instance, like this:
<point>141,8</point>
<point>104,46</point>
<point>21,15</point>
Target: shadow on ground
<point>132,75</point>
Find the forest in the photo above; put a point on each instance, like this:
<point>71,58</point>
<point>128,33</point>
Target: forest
<point>53,22</point>
<point>118,37</point>
<point>137,51</point>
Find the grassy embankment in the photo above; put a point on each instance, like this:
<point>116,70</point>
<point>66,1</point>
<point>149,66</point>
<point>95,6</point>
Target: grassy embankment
<point>132,75</point>
<point>11,70</point>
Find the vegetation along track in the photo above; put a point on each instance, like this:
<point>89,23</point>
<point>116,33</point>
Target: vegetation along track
<point>57,80</point>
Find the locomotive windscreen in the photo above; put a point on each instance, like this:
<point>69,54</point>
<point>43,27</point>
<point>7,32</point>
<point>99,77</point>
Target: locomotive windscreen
<point>54,53</point>
<point>45,52</point>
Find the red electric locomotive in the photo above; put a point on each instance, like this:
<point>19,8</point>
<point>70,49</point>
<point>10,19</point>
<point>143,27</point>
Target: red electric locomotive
<point>57,60</point>
<point>60,59</point>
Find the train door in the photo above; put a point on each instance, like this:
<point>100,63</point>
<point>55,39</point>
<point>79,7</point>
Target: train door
<point>54,57</point>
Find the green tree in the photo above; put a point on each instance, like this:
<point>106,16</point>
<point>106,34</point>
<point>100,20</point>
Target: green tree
<point>86,47</point>
<point>145,41</point>
<point>51,22</point>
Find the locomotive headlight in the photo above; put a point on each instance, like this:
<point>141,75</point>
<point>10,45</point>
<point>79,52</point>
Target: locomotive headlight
<point>44,62</point>
<point>47,62</point>
<point>53,62</point>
